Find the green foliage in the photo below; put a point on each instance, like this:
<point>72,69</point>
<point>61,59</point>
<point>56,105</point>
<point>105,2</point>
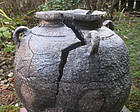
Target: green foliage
<point>7,34</point>
<point>43,7</point>
<point>9,108</point>
<point>19,8</point>
<point>7,28</point>
<point>7,47</point>
<point>60,5</point>
<point>3,29</point>
<point>5,40</point>
<point>1,3</point>
<point>120,16</point>
<point>2,13</point>
<point>4,32</point>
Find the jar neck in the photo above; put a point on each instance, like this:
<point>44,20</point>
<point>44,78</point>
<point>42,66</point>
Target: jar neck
<point>55,23</point>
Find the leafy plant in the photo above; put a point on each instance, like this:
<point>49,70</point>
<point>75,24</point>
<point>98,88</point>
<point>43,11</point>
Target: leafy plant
<point>4,15</point>
<point>60,5</point>
<point>19,8</point>
<point>1,2</point>
<point>120,16</point>
<point>4,32</point>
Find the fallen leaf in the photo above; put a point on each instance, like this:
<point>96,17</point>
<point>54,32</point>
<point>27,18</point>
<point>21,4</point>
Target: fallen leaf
<point>10,74</point>
<point>17,105</point>
<point>131,46</point>
<point>10,79</point>
<point>1,64</point>
<point>125,37</point>
<point>4,81</point>
<point>3,86</point>
<point>120,29</point>
<point>5,54</point>
<point>23,110</point>
<point>128,26</point>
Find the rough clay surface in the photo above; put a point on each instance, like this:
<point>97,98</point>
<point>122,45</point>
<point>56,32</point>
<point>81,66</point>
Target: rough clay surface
<point>79,17</point>
<point>54,72</point>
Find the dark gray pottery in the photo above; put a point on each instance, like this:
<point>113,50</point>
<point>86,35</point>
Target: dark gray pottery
<point>55,71</point>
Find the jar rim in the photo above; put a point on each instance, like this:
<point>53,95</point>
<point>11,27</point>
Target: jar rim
<point>77,16</point>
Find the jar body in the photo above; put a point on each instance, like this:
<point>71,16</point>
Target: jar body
<point>53,72</point>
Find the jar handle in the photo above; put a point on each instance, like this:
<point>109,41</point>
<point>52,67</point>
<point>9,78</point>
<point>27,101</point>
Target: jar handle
<point>19,30</point>
<point>109,24</point>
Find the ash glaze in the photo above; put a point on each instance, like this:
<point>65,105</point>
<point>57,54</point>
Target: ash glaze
<point>61,69</point>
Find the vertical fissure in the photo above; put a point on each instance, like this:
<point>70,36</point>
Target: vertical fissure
<point>31,57</point>
<point>65,53</point>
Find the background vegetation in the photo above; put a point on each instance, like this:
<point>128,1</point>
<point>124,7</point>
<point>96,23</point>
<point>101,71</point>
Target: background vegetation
<point>14,13</point>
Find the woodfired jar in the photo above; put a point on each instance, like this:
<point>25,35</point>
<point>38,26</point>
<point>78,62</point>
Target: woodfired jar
<point>71,62</point>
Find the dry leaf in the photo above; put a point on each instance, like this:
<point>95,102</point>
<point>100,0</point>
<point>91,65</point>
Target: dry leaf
<point>10,79</point>
<point>10,74</point>
<point>128,26</point>
<point>125,37</point>
<point>3,86</point>
<point>120,29</point>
